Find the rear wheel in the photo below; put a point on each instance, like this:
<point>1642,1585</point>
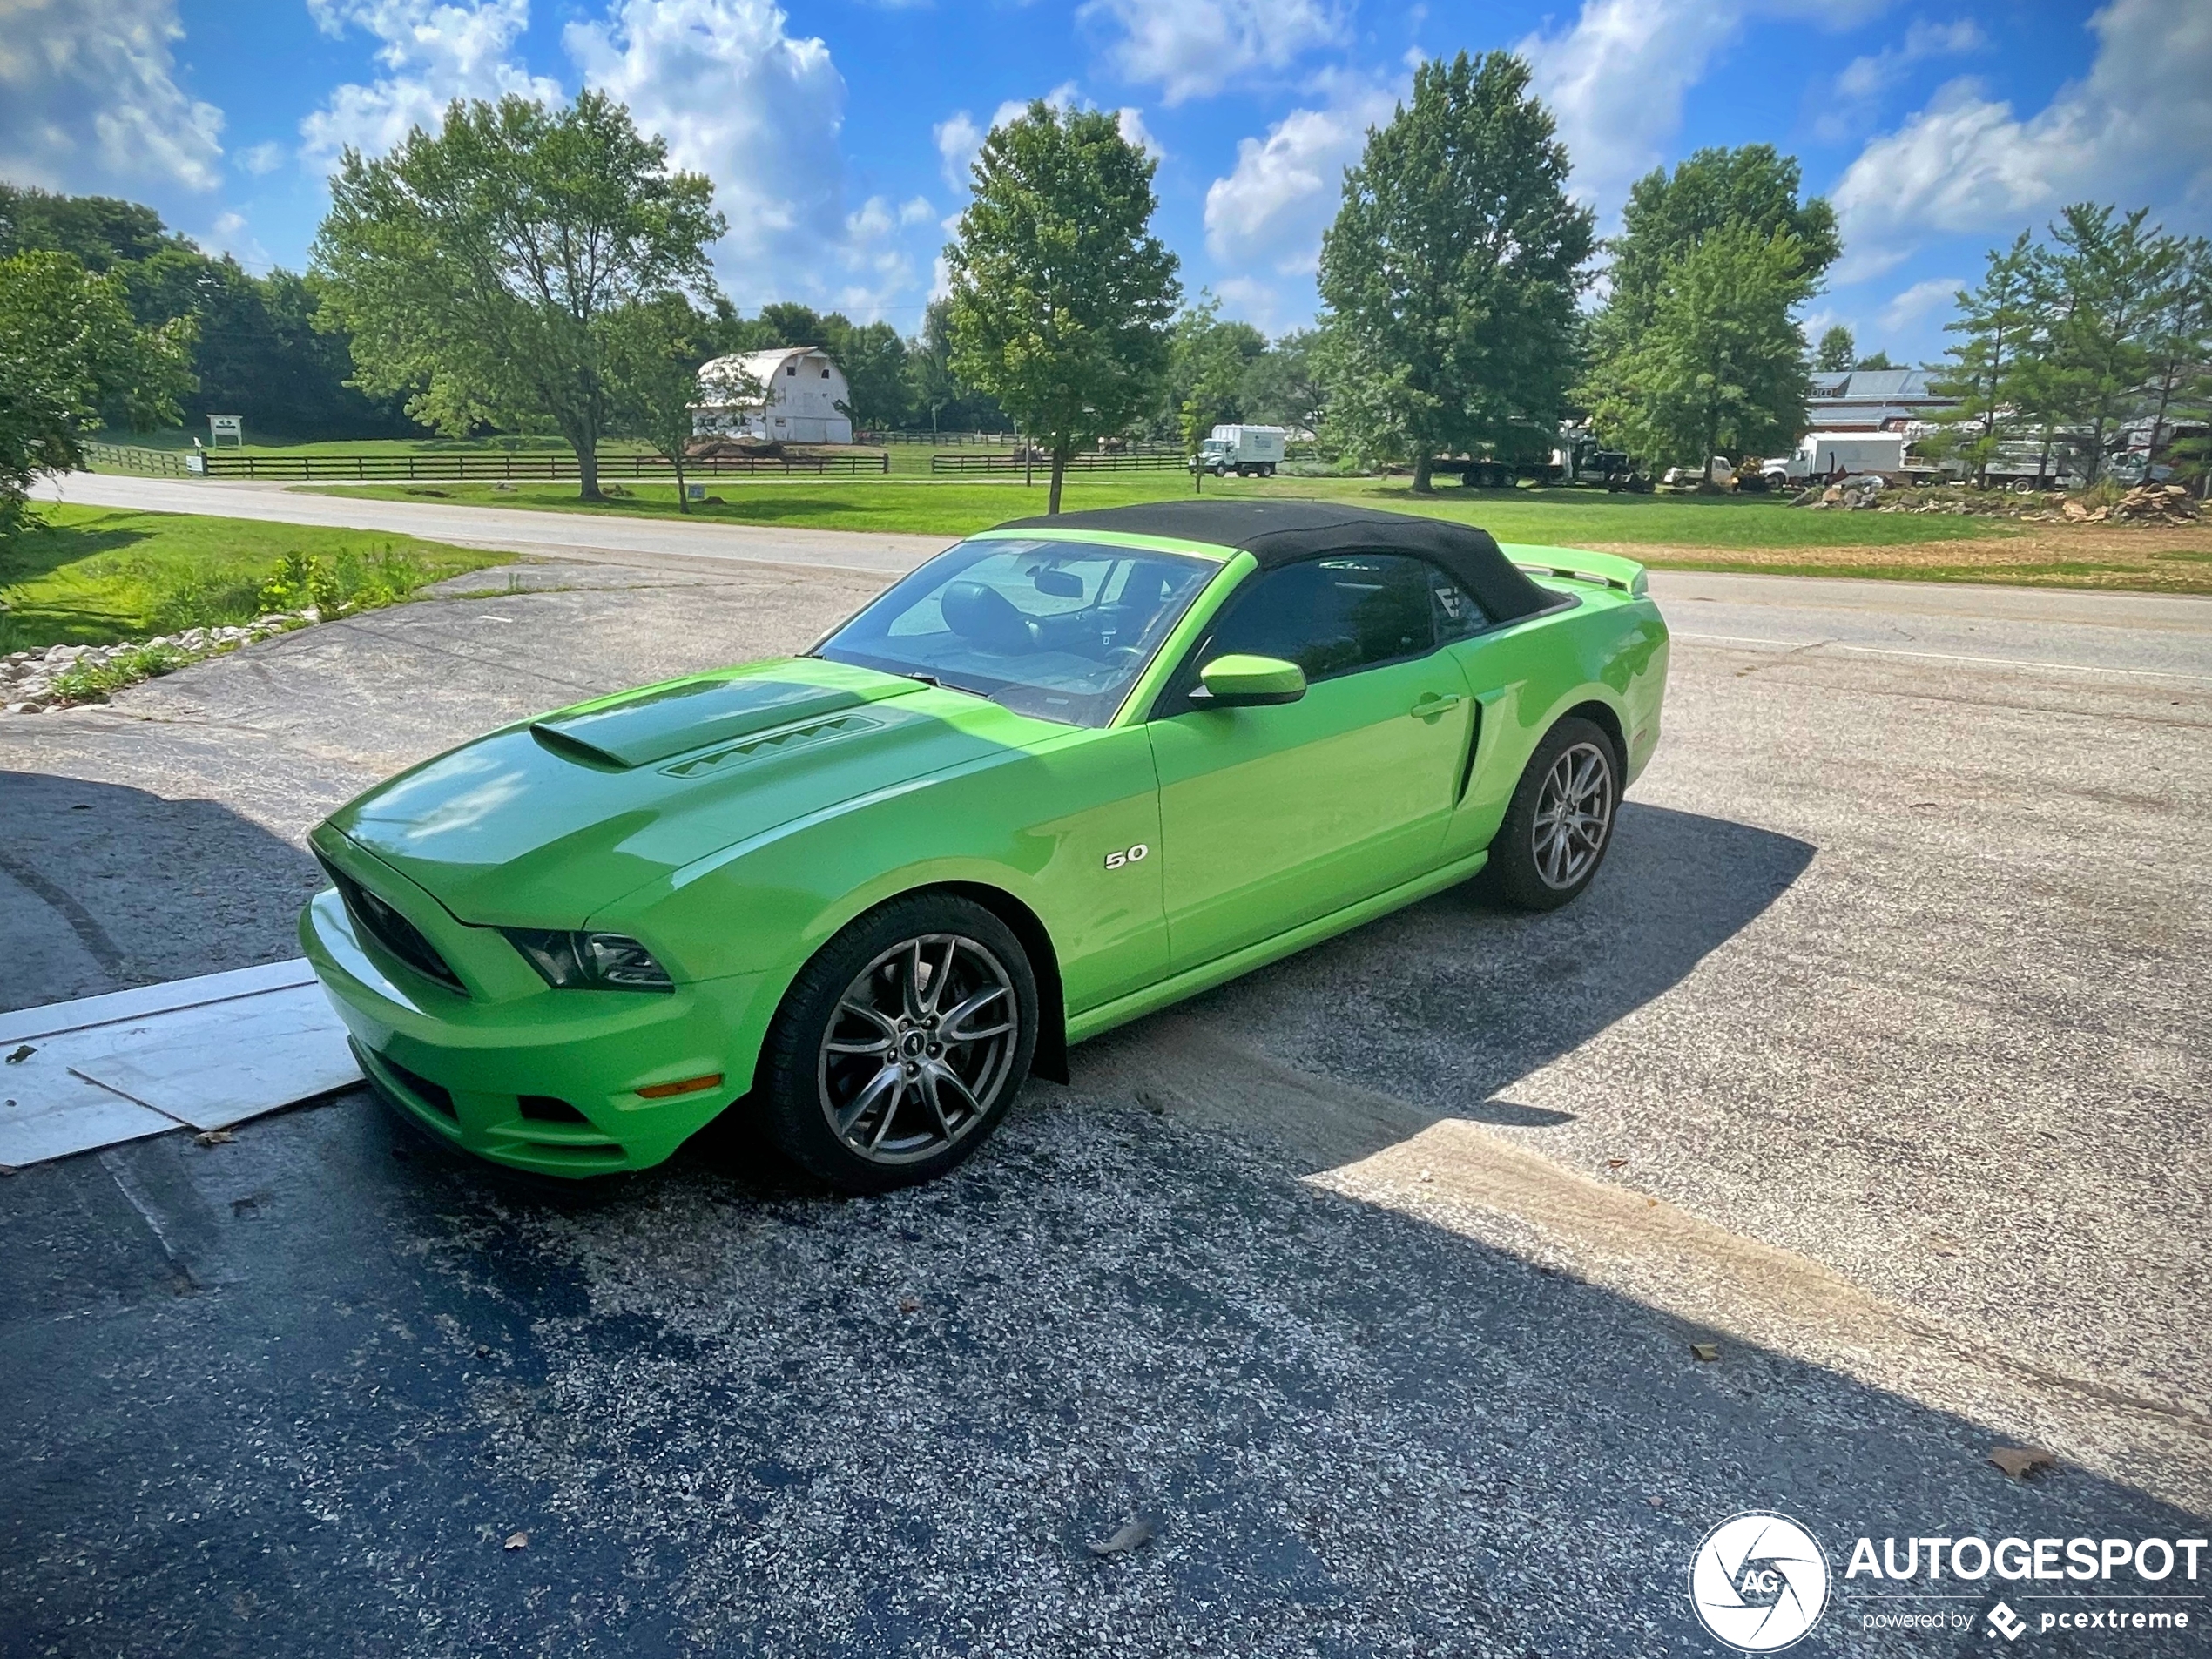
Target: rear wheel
<point>1560,823</point>
<point>900,1047</point>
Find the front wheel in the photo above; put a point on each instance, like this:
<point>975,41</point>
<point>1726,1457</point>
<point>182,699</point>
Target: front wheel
<point>901,1046</point>
<point>1560,823</point>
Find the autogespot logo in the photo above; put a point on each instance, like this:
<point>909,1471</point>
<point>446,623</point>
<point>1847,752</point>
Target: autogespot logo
<point>1758,1581</point>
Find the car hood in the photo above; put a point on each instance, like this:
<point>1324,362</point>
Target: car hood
<point>540,824</point>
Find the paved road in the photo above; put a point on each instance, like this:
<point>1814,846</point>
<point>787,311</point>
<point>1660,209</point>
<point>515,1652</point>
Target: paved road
<point>1877,1056</point>
<point>514,530</point>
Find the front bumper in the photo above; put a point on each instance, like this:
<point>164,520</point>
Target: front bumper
<point>493,1077</point>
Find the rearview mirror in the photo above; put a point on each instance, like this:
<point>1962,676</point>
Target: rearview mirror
<point>1239,682</point>
<point>1059,584</point>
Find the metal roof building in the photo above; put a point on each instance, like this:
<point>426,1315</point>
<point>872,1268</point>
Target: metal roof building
<point>1871,400</point>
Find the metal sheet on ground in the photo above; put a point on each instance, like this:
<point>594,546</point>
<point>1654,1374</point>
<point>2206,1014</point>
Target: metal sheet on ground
<point>46,1111</point>
<point>215,1066</point>
<point>203,1053</point>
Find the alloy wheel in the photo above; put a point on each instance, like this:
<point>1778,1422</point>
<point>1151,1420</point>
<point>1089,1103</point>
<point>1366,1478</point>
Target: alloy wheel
<point>1574,815</point>
<point>918,1048</point>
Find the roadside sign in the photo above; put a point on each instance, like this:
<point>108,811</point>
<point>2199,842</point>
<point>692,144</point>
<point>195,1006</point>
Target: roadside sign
<point>226,426</point>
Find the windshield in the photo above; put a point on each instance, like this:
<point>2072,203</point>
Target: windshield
<point>1059,629</point>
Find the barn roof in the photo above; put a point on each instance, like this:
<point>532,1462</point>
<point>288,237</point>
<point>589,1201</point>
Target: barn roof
<point>762,365</point>
<point>1281,532</point>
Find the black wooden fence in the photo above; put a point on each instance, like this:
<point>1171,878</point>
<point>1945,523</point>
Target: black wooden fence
<point>371,468</point>
<point>1165,461</point>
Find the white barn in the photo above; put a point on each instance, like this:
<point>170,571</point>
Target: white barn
<point>800,390</point>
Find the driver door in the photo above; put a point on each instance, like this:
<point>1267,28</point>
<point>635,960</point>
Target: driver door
<point>1274,816</point>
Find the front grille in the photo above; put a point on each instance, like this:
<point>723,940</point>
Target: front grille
<point>392,930</point>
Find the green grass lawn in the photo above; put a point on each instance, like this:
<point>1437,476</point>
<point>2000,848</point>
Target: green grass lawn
<point>94,575</point>
<point>1757,533</point>
<point>958,507</point>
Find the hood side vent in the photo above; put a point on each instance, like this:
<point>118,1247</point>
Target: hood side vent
<point>575,749</point>
<point>773,743</point>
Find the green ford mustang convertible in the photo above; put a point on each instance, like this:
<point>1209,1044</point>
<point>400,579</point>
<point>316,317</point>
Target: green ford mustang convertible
<point>1069,770</point>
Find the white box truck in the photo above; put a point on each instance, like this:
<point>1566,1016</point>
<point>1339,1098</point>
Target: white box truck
<point>1248,451</point>
<point>1829,454</point>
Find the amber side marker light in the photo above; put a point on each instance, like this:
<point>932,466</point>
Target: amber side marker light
<point>689,1086</point>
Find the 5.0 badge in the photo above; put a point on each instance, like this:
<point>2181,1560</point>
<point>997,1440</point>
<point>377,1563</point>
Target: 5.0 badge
<point>1127,855</point>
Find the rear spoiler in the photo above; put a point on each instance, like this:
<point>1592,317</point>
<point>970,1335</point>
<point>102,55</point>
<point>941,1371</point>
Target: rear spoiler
<point>1580,564</point>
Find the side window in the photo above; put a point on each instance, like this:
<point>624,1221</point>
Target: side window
<point>1457,613</point>
<point>1333,615</point>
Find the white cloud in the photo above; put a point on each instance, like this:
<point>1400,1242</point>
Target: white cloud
<point>758,109</point>
<point>1194,47</point>
<point>432,53</point>
<point>1272,208</point>
<point>1906,308</point>
<point>1870,76</point>
<point>1615,83</point>
<point>263,158</point>
<point>1847,108</point>
<point>1244,300</point>
<point>754,108</point>
<point>2138,127</point>
<point>89,99</point>
<point>959,142</point>
<point>1129,122</point>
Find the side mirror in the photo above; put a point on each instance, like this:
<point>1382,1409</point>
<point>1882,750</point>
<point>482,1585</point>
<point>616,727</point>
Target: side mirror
<point>1238,682</point>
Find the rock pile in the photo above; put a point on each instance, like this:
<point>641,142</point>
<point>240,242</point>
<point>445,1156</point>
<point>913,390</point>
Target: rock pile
<point>2145,504</point>
<point>1854,494</point>
<point>28,678</point>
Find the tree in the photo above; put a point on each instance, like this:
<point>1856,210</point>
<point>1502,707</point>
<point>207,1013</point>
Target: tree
<point>101,231</point>
<point>1838,351</point>
<point>1994,325</point>
<point>1876,359</point>
<point>1453,266</point>
<point>478,269</point>
<point>2178,346</point>
<point>2109,277</point>
<point>1060,291</point>
<point>1672,376</point>
<point>1669,215</point>
<point>1208,360</point>
<point>933,387</point>
<point>1282,386</point>
<point>873,358</point>
<point>655,348</point>
<point>70,352</point>
<point>1721,366</point>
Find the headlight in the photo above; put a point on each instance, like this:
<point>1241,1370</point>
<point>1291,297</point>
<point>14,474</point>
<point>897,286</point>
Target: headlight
<point>590,961</point>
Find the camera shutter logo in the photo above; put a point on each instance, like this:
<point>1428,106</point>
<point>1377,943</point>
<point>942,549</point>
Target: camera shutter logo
<point>1758,1581</point>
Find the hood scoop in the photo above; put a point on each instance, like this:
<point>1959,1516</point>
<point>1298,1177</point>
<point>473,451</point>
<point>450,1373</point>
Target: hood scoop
<point>676,719</point>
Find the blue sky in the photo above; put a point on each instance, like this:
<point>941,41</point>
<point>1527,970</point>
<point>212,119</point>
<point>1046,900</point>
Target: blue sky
<point>837,132</point>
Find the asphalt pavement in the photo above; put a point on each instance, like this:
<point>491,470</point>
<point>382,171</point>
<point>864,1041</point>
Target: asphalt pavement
<point>1875,1059</point>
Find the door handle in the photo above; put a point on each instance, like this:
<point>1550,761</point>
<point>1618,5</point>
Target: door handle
<point>1431,705</point>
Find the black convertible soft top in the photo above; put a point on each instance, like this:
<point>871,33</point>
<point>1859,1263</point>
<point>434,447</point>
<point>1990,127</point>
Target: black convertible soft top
<point>1282,532</point>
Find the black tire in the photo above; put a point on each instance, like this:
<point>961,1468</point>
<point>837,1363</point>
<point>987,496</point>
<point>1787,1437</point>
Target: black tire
<point>930,1124</point>
<point>1541,858</point>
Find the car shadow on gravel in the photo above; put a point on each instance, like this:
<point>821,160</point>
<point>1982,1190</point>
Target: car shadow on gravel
<point>1437,1010</point>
